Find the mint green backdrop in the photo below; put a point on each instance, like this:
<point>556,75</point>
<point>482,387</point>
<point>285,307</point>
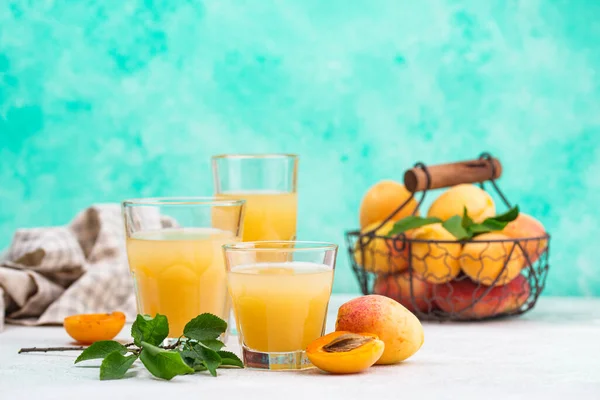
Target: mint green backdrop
<point>103,100</point>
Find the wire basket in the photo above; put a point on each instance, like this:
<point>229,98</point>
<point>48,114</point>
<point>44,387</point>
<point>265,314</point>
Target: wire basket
<point>429,276</point>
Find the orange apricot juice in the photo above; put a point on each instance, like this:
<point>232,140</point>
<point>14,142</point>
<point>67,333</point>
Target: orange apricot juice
<point>280,307</point>
<point>268,216</point>
<point>180,273</point>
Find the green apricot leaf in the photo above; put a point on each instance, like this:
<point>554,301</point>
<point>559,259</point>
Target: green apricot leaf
<point>205,327</point>
<point>101,349</point>
<point>164,364</point>
<point>411,222</point>
<point>150,330</point>
<point>115,365</point>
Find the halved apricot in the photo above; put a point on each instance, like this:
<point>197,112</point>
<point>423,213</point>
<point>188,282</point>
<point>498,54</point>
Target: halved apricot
<point>345,352</point>
<point>90,328</point>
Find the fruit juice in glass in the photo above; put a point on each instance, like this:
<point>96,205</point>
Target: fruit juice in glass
<point>281,306</point>
<point>175,256</point>
<point>268,184</point>
<point>269,215</point>
<point>179,273</point>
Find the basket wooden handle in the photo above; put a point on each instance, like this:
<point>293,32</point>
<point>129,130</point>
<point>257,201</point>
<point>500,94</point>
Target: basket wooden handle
<point>445,175</point>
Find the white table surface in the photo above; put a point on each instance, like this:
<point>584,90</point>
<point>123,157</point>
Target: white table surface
<point>553,352</point>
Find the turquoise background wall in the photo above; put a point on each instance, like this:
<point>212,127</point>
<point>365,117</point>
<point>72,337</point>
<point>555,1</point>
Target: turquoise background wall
<point>103,100</point>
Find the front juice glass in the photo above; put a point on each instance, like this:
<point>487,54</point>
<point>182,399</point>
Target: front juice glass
<point>174,247</point>
<point>280,292</point>
<point>268,184</point>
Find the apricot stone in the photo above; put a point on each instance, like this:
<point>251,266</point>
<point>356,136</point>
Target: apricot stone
<point>380,254</point>
<point>525,226</point>
<point>478,202</point>
<point>397,327</point>
<point>435,262</point>
<point>485,261</point>
<point>398,287</point>
<point>382,199</point>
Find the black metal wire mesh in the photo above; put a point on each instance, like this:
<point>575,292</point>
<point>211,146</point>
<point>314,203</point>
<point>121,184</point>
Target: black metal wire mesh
<point>449,280</point>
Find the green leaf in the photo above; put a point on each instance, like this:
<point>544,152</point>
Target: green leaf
<point>411,222</point>
<point>478,228</point>
<point>101,349</point>
<point>150,330</point>
<point>205,327</point>
<point>213,344</point>
<point>494,225</point>
<point>164,364</point>
<point>508,216</point>
<point>115,365</point>
<point>454,226</point>
<point>230,359</point>
<point>466,220</point>
<point>196,354</point>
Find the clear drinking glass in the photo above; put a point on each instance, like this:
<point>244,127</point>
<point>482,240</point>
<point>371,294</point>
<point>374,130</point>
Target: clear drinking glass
<point>280,292</point>
<point>268,184</point>
<point>174,247</point>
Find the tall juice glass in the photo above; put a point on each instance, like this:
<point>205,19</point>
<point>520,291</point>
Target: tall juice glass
<point>268,184</point>
<point>174,247</point>
<point>280,293</point>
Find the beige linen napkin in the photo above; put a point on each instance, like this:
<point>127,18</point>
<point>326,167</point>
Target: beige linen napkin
<point>50,273</point>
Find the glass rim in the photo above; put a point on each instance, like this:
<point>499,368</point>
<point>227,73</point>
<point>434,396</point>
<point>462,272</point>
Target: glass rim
<point>305,246</point>
<point>254,156</point>
<point>182,201</point>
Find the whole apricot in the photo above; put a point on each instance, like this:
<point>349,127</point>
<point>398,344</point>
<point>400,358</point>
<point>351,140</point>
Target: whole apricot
<point>382,199</point>
<point>90,328</point>
<point>436,262</point>
<point>490,256</point>
<point>379,254</point>
<point>345,352</point>
<point>478,202</point>
<point>525,226</point>
<point>398,287</point>
<point>397,327</point>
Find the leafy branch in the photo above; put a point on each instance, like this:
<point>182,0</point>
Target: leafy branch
<point>198,349</point>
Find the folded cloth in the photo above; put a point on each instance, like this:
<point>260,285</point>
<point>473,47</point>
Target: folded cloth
<point>1,309</point>
<point>50,273</point>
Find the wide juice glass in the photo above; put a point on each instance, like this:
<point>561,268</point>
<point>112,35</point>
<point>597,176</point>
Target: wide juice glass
<point>268,184</point>
<point>174,248</point>
<point>280,293</point>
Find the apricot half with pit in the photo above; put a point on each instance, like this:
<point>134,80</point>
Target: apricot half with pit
<point>345,352</point>
<point>90,328</point>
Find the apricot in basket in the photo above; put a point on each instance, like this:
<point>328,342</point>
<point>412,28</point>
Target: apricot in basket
<point>381,255</point>
<point>469,300</point>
